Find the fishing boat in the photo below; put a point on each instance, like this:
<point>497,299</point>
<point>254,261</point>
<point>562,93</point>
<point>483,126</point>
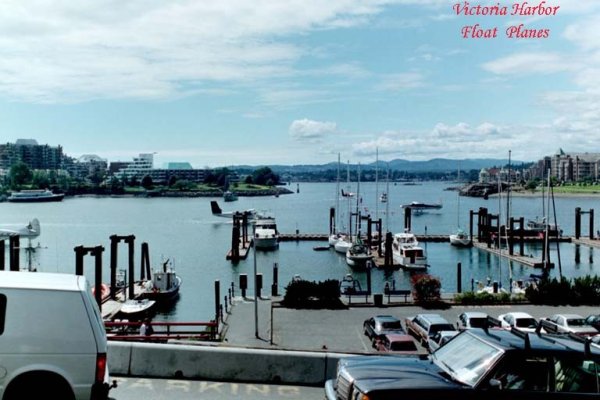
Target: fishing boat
<point>34,196</point>
<point>266,236</point>
<point>163,286</point>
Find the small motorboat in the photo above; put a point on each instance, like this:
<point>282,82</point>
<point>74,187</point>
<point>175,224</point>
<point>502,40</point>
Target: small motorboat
<point>460,239</point>
<point>135,309</point>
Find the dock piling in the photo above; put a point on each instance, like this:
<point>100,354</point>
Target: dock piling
<point>217,299</point>
<point>459,278</point>
<point>13,252</point>
<point>3,257</point>
<point>243,284</point>
<point>275,280</point>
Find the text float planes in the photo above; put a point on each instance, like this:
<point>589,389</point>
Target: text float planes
<point>29,231</point>
<point>216,211</point>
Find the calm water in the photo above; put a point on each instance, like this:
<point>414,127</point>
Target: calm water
<point>185,231</point>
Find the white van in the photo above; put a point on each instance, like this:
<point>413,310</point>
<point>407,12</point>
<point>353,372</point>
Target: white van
<point>52,338</point>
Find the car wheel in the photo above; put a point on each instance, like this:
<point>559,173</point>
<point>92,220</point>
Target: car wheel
<point>25,388</point>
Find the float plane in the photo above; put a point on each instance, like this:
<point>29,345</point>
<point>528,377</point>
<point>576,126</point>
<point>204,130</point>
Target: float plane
<point>216,211</point>
<point>29,231</point>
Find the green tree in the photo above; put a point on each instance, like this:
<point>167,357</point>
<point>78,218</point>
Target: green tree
<point>264,176</point>
<point>147,182</point>
<point>40,179</point>
<point>19,174</point>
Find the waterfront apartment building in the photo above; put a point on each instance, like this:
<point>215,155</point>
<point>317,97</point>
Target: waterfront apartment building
<point>141,166</point>
<point>573,167</point>
<point>36,156</point>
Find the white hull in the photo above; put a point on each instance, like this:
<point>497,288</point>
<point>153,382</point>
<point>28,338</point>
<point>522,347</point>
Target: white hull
<point>357,260</point>
<point>411,258</point>
<point>342,246</point>
<point>459,241</point>
<point>336,237</point>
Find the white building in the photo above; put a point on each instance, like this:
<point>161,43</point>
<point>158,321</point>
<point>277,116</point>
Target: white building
<point>141,166</point>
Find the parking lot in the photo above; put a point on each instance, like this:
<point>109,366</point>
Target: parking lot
<point>342,330</point>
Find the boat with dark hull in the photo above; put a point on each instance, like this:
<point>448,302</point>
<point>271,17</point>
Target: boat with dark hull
<point>34,196</point>
<point>164,285</point>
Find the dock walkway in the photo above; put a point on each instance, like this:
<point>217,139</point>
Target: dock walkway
<point>525,260</point>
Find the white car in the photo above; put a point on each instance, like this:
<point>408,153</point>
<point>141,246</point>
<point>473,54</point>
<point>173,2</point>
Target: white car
<point>518,320</point>
<point>472,319</point>
<point>568,323</point>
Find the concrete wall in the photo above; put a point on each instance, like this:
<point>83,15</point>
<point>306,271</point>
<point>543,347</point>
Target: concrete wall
<point>221,363</point>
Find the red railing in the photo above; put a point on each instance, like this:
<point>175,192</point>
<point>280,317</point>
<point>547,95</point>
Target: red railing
<point>162,331</point>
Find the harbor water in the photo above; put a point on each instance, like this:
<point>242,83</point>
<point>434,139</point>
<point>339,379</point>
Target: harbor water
<point>184,231</point>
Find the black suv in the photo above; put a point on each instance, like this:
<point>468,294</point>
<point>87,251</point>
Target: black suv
<point>477,364</point>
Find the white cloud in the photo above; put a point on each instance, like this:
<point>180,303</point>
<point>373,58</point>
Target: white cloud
<point>72,51</point>
<point>531,63</point>
<point>306,129</point>
<point>401,81</point>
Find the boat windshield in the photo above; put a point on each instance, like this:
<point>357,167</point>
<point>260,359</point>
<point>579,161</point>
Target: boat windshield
<point>466,358</point>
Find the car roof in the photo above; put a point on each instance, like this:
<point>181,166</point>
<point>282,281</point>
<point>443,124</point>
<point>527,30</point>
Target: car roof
<point>519,314</point>
<point>569,316</point>
<point>41,280</point>
<point>475,314</point>
<point>386,318</point>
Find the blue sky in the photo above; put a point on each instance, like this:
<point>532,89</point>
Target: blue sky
<point>288,82</point>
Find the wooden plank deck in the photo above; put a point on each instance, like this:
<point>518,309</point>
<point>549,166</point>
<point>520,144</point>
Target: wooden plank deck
<point>525,260</point>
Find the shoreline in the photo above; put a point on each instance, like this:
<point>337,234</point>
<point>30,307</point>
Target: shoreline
<point>539,194</point>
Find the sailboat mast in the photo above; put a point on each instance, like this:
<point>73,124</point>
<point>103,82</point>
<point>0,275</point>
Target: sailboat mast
<point>337,197</point>
<point>376,183</point>
<point>357,200</point>
<point>546,245</point>
<point>508,191</point>
<point>348,201</point>
<point>387,203</point>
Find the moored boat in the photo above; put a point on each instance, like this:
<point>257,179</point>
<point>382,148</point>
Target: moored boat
<point>163,286</point>
<point>229,196</point>
<point>135,309</point>
<point>460,239</point>
<point>34,196</point>
<point>358,255</point>
<point>266,235</point>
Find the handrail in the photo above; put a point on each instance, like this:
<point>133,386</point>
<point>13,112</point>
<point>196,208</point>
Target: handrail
<point>119,330</point>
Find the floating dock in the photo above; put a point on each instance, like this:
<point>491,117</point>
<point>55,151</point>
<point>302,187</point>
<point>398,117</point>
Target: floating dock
<point>525,260</point>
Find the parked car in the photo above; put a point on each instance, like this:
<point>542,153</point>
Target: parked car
<point>380,325</point>
<point>471,319</point>
<point>568,323</point>
<point>52,339</point>
<point>476,364</point>
<point>593,320</point>
<point>424,326</point>
<point>396,343</point>
<point>518,320</point>
<point>440,339</point>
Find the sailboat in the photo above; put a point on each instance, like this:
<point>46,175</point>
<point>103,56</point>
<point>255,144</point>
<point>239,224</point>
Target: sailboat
<point>358,253</point>
<point>335,235</point>
<point>345,242</point>
<point>459,238</point>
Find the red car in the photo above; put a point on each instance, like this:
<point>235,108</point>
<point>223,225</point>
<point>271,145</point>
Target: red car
<point>396,343</point>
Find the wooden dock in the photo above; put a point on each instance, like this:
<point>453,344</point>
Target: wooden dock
<point>110,308</point>
<point>525,260</point>
<point>587,242</point>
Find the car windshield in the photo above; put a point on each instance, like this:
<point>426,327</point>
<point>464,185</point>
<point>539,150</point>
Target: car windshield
<point>478,322</point>
<point>466,358</point>
<point>391,325</point>
<point>403,346</point>
<point>441,327</point>
<point>576,322</point>
<point>526,323</point>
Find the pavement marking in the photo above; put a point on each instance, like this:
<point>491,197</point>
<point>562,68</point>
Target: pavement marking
<point>361,335</point>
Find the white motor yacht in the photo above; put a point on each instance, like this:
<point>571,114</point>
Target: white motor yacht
<point>265,234</point>
<point>460,238</point>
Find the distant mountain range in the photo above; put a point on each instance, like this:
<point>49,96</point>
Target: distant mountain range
<point>433,165</point>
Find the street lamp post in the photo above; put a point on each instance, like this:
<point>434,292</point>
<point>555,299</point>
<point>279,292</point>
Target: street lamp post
<point>255,285</point>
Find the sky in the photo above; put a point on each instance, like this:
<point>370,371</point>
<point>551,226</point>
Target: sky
<point>257,82</point>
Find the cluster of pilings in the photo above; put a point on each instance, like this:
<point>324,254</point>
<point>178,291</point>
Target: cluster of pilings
<point>239,237</point>
<point>13,254</point>
<point>96,252</point>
